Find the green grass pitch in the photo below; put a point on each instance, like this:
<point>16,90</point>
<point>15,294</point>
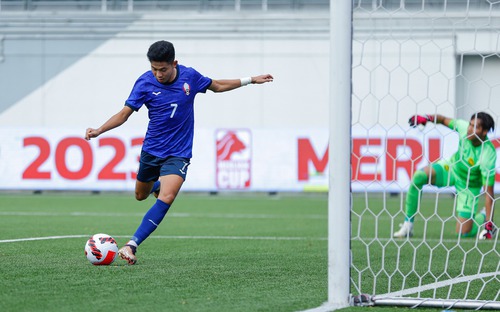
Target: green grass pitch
<point>230,252</point>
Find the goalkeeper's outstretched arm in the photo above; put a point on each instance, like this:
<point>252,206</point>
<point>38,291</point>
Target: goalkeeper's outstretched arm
<point>417,120</point>
<point>440,119</point>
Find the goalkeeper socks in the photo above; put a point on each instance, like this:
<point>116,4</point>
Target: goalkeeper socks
<point>151,220</point>
<point>419,179</point>
<point>479,219</point>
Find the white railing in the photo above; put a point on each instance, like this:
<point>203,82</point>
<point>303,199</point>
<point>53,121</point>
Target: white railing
<point>128,6</point>
<point>148,5</point>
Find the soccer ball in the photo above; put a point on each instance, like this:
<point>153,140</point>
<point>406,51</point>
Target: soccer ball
<point>101,249</point>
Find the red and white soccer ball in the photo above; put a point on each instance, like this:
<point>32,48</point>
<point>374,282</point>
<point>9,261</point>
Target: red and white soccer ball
<point>101,249</point>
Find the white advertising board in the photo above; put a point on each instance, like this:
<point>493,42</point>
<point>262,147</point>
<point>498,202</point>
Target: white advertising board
<point>223,159</point>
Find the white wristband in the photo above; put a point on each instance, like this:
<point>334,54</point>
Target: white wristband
<point>246,81</point>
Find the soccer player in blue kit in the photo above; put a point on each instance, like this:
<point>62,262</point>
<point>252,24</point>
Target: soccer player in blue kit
<point>168,91</point>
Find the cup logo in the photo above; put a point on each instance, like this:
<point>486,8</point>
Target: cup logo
<point>233,159</point>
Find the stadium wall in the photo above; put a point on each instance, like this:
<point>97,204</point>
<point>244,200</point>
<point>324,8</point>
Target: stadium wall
<point>59,76</point>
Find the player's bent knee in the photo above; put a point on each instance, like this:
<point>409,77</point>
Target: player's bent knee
<point>140,196</point>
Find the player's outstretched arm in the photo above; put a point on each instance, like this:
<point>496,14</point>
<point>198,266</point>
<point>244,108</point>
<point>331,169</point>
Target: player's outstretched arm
<point>224,85</point>
<point>115,121</point>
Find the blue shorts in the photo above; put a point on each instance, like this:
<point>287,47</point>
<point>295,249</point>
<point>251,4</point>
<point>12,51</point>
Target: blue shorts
<point>152,167</point>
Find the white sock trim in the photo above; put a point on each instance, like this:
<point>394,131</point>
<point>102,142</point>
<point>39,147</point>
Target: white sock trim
<point>132,242</point>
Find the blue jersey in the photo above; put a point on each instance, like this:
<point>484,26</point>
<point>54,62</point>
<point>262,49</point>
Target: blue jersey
<point>170,110</point>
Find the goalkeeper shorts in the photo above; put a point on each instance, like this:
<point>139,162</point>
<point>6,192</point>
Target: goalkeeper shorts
<point>466,198</point>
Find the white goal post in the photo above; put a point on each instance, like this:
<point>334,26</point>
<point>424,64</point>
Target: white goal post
<point>339,153</point>
<point>407,57</point>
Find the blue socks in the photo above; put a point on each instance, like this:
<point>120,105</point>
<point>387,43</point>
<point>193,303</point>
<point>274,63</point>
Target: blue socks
<point>151,220</point>
<point>156,187</point>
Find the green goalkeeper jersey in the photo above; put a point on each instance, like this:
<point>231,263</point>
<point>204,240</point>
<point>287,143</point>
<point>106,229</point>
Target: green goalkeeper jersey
<point>472,164</point>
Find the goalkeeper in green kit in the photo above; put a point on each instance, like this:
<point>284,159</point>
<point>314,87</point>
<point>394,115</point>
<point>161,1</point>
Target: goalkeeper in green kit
<point>471,169</point>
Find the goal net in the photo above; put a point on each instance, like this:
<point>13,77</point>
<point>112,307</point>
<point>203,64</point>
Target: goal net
<point>417,57</point>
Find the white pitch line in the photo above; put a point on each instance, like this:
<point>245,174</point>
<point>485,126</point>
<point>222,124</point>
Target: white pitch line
<point>16,240</point>
<point>217,237</point>
<point>243,237</point>
<point>172,214</point>
<point>416,240</point>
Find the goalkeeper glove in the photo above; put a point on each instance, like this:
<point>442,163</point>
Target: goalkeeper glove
<point>489,231</point>
<point>420,120</point>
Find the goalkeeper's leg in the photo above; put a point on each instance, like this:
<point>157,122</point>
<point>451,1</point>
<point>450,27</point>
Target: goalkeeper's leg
<point>420,178</point>
<point>479,219</point>
<point>468,223</point>
<point>437,174</point>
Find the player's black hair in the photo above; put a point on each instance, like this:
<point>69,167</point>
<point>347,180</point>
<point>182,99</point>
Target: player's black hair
<point>161,51</point>
<point>487,121</point>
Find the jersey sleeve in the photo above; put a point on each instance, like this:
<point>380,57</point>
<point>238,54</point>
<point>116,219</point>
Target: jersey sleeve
<point>459,126</point>
<point>488,163</point>
<point>202,82</point>
<point>137,96</point>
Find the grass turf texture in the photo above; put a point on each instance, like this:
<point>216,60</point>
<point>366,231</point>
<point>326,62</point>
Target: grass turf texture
<point>241,252</point>
<point>211,253</point>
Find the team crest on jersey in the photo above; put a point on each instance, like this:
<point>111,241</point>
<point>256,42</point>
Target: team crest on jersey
<point>186,88</point>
